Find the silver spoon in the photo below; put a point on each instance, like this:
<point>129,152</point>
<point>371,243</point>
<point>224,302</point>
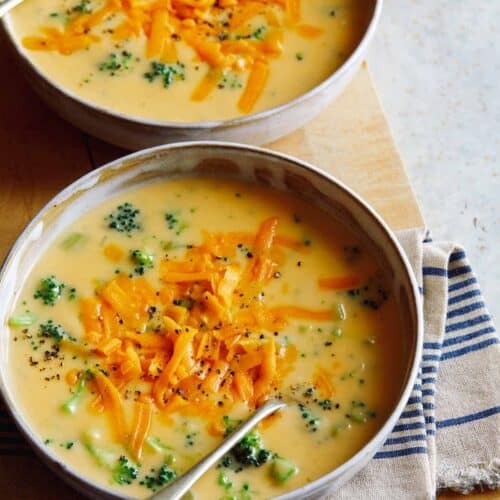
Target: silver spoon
<point>8,5</point>
<point>177,489</point>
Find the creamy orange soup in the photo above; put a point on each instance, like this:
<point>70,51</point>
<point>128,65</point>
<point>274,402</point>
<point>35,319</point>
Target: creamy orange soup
<point>189,60</point>
<point>161,318</point>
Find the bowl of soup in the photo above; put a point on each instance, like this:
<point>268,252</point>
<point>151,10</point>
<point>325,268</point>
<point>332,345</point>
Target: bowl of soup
<point>139,73</point>
<point>156,302</point>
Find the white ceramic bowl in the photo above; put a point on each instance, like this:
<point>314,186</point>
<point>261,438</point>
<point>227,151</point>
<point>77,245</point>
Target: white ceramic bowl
<point>224,160</point>
<point>135,133</point>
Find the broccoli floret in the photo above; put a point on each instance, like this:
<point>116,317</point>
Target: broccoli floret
<point>143,260</point>
<point>164,476</point>
<point>124,218</point>
<point>124,471</point>
<point>70,406</point>
<point>57,332</point>
<point>49,290</point>
<point>251,451</point>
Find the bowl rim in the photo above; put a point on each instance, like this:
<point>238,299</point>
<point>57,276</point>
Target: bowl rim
<point>208,124</point>
<point>81,482</point>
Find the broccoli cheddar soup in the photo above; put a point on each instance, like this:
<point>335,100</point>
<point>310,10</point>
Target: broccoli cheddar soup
<point>189,60</point>
<point>160,319</point>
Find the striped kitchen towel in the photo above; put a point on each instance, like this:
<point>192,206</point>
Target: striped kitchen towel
<point>449,433</point>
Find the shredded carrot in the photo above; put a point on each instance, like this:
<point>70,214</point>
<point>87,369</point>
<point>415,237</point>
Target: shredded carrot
<point>113,252</point>
<point>207,84</point>
<point>112,401</point>
<point>72,376</point>
<point>322,381</point>
<point>256,82</point>
<point>140,428</point>
<point>224,43</point>
<point>308,31</point>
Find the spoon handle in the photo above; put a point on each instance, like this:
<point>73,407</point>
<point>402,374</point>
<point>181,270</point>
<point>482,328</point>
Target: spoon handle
<point>8,5</point>
<point>181,486</point>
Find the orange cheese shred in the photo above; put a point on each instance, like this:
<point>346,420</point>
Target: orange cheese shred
<point>140,427</point>
<point>200,343</point>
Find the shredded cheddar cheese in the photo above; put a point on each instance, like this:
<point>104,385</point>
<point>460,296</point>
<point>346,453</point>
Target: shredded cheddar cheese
<point>202,342</point>
<point>217,31</point>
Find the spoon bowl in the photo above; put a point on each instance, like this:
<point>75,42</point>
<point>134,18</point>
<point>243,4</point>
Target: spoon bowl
<point>181,486</point>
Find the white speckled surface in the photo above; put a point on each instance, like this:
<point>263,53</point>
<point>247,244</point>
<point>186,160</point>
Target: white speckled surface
<point>436,66</point>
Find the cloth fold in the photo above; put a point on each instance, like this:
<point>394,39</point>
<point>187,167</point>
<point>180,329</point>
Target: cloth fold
<point>448,436</point>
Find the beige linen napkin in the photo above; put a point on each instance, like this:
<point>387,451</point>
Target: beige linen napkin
<point>448,436</point>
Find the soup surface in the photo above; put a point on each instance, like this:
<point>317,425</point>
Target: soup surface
<point>163,316</point>
<point>189,60</point>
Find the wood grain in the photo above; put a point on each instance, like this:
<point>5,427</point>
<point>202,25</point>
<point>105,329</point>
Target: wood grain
<point>352,140</point>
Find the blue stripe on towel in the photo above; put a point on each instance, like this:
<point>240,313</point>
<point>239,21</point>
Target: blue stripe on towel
<point>405,439</point>
<point>470,348</point>
<point>434,271</point>
<point>464,296</point>
<point>431,357</point>
<point>461,325</point>
<point>401,453</point>
<point>446,273</point>
<point>468,418</point>
<point>432,345</point>
<point>468,336</point>
<point>408,427</point>
<point>429,369</point>
<point>462,284</point>
<point>458,271</point>
<point>411,414</point>
<point>464,309</point>
<point>413,400</point>
<point>460,254</point>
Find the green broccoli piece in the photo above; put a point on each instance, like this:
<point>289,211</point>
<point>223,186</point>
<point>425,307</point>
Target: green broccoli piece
<point>251,451</point>
<point>104,458</point>
<point>22,320</point>
<point>164,476</point>
<point>71,405</point>
<point>124,471</point>
<point>283,469</point>
<point>159,447</point>
<point>57,332</point>
<point>49,290</point>
<point>73,240</point>
<point>143,260</point>
<point>124,219</point>
<point>224,481</point>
